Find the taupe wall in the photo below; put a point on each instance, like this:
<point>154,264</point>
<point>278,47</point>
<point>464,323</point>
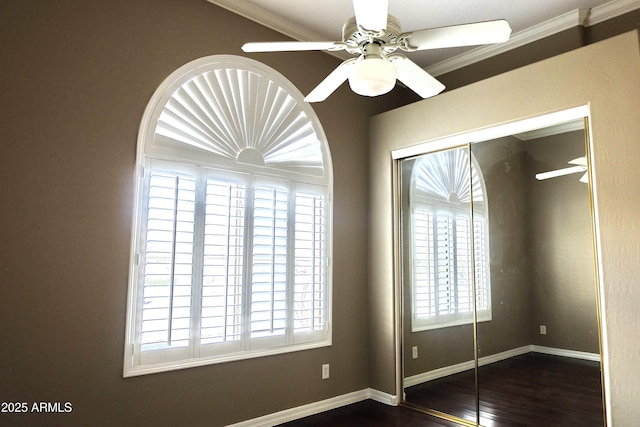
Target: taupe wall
<point>76,77</point>
<point>562,271</point>
<point>503,164</point>
<point>541,49</point>
<point>542,253</point>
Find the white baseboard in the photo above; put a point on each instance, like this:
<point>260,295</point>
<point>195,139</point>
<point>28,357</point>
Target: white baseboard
<point>438,373</point>
<point>492,358</point>
<point>318,407</point>
<point>465,366</point>
<point>594,357</point>
<point>383,397</point>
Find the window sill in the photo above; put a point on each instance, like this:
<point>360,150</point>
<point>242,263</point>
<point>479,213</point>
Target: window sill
<point>423,326</point>
<point>138,370</point>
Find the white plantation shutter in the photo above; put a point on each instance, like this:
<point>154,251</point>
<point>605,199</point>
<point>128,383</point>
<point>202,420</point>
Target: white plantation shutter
<point>168,261</point>
<point>218,280</point>
<point>230,257</point>
<point>310,259</point>
<point>443,262</point>
<point>424,273</point>
<point>269,262</point>
<point>463,302</point>
<point>444,265</point>
<point>223,264</point>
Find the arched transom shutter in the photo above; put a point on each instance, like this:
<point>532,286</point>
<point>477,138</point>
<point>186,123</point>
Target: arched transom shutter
<point>239,111</point>
<point>447,176</point>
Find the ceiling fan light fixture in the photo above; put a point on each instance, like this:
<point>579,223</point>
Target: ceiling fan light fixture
<point>372,77</point>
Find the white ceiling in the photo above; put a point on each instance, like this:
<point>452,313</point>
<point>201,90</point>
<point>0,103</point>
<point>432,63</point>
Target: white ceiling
<point>322,20</point>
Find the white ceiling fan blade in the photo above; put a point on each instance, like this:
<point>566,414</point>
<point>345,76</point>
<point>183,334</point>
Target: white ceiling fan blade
<point>415,78</point>
<point>585,178</point>
<point>580,161</point>
<point>371,14</point>
<point>460,35</point>
<point>291,46</point>
<point>331,82</point>
<point>560,172</point>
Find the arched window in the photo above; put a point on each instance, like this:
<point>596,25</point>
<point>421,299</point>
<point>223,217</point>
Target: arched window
<point>443,184</point>
<point>232,230</point>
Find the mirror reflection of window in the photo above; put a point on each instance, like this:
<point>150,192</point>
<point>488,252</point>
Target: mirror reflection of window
<point>443,184</point>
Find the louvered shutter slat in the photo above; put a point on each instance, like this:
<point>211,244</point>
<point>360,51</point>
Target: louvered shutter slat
<point>168,261</point>
<point>269,262</point>
<point>223,265</point>
<point>309,269</point>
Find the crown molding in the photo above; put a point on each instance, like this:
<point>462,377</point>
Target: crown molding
<point>521,38</point>
<point>548,28</point>
<point>268,19</point>
<point>611,10</point>
<point>273,21</point>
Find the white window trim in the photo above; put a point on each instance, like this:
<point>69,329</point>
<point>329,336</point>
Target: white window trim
<point>297,181</point>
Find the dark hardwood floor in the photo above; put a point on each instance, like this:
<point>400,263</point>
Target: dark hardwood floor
<point>371,413</point>
<point>532,390</point>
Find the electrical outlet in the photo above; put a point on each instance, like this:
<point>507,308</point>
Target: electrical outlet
<point>543,330</point>
<point>325,371</point>
<point>414,352</point>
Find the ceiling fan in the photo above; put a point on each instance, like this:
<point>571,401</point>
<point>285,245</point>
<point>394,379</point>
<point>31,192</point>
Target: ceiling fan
<point>580,166</point>
<point>374,36</point>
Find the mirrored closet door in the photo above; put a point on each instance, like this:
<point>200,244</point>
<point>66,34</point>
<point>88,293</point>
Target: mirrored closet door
<point>500,311</point>
<point>438,299</point>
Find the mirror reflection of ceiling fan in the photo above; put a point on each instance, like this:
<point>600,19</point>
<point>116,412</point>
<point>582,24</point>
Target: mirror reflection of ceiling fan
<point>580,166</point>
<point>374,36</point>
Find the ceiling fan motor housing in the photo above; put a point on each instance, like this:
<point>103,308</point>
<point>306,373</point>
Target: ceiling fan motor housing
<point>356,37</point>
